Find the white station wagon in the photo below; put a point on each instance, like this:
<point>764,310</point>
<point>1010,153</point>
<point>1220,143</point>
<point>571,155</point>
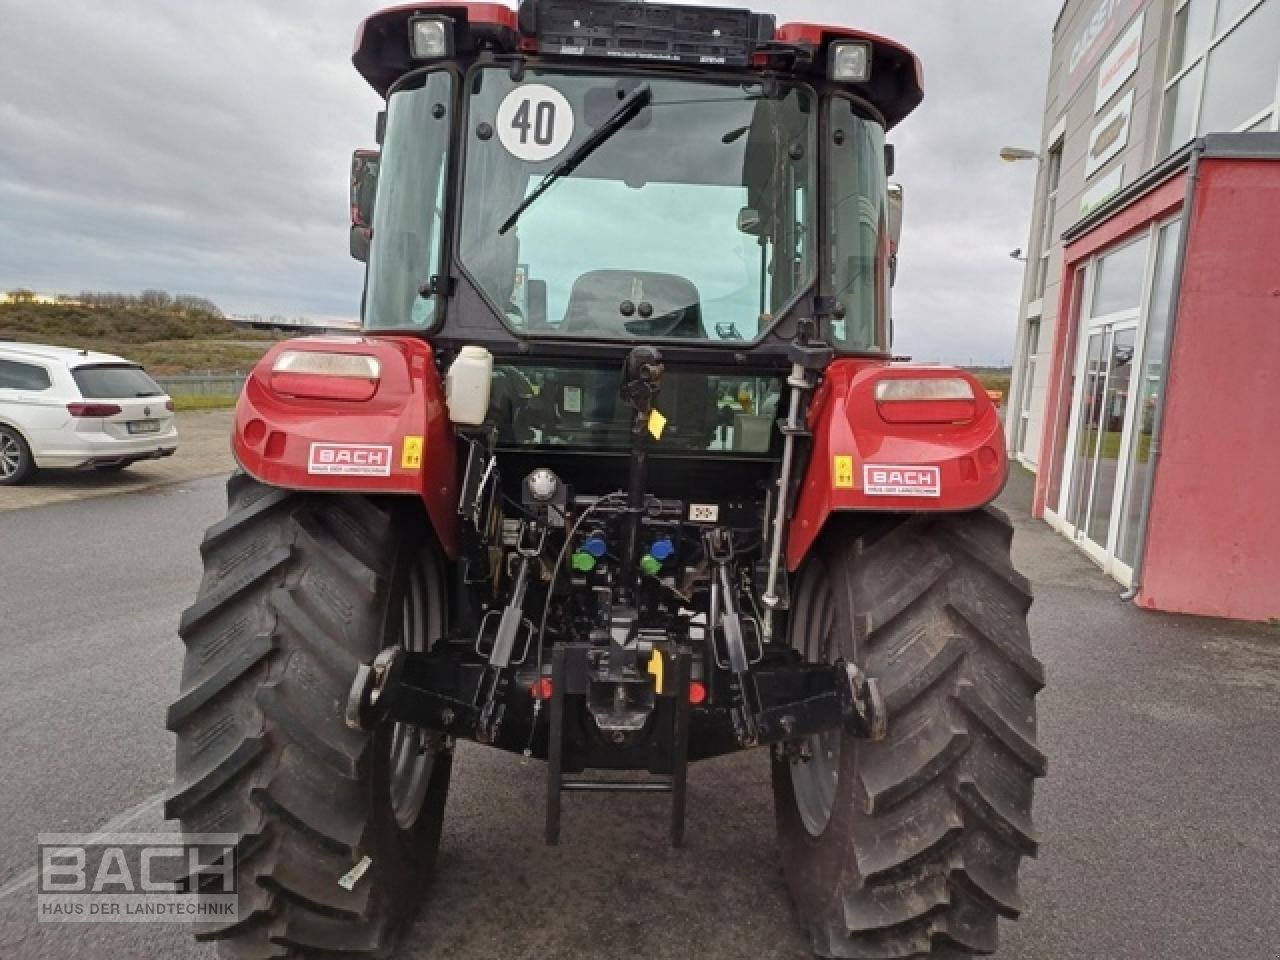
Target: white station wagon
<point>61,407</point>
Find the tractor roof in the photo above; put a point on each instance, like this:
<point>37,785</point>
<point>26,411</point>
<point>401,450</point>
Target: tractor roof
<point>382,48</point>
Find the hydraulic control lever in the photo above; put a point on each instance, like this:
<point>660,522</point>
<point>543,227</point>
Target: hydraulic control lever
<point>532,541</point>
<point>530,545</point>
<point>726,615</point>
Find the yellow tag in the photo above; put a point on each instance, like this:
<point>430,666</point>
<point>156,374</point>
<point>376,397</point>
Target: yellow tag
<point>411,459</point>
<point>843,475</point>
<point>657,424</point>
<point>656,667</point>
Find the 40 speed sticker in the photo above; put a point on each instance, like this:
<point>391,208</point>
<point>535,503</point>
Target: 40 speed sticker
<point>888,481</point>
<point>535,122</point>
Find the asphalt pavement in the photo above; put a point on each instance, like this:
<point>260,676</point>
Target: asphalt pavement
<point>1159,816</point>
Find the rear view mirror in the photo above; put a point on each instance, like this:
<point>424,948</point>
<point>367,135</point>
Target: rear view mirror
<point>897,201</point>
<point>749,221</point>
<point>364,192</point>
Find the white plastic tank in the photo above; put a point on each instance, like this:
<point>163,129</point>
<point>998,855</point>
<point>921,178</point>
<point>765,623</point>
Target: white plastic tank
<point>467,386</point>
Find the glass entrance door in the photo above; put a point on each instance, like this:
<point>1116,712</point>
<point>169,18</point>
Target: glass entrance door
<point>1118,382</point>
<point>1101,418</point>
<point>1101,434</point>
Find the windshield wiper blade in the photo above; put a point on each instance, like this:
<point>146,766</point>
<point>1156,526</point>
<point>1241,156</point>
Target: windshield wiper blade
<point>627,112</point>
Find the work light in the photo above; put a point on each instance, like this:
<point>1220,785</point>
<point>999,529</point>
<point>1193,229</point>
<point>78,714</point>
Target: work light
<point>430,38</point>
<point>851,61</point>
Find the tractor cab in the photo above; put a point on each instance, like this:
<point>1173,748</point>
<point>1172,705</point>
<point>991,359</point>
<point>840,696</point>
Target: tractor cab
<point>563,184</point>
<point>589,174</point>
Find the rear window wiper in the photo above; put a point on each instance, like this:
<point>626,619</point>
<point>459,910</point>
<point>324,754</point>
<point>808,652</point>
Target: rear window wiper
<point>627,112</point>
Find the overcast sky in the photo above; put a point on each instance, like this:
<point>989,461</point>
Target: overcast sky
<point>203,147</point>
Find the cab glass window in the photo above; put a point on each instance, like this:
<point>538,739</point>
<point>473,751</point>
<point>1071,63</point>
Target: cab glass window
<point>408,222</point>
<point>860,226</point>
<point>691,221</point>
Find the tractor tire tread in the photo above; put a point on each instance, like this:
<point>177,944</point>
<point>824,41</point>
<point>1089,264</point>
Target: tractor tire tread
<point>941,814</point>
<point>290,594</point>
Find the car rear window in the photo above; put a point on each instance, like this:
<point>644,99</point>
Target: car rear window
<point>115,381</point>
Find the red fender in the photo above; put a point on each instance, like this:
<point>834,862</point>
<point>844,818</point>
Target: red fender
<point>398,441</point>
<point>862,461</point>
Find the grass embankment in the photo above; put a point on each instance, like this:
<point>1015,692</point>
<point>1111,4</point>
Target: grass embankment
<point>195,402</point>
<point>994,378</point>
<point>168,341</point>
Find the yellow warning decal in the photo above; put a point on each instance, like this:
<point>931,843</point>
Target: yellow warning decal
<point>657,424</point>
<point>411,458</point>
<point>842,474</point>
<point>656,667</point>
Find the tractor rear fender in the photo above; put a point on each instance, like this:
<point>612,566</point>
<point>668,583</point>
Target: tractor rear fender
<point>912,445</point>
<point>332,422</point>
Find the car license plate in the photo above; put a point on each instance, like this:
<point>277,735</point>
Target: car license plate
<point>144,426</point>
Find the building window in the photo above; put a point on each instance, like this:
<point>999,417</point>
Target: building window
<point>1053,174</point>
<point>1224,69</point>
<point>1031,356</point>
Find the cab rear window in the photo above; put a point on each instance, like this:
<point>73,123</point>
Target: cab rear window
<point>114,381</point>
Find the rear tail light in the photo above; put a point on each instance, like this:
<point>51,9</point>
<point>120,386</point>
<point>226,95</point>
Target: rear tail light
<point>926,400</point>
<point>697,693</point>
<point>168,405</point>
<point>542,689</point>
<point>93,409</point>
<point>326,376</point>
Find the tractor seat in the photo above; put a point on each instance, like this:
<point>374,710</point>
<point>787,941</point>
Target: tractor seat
<point>596,306</point>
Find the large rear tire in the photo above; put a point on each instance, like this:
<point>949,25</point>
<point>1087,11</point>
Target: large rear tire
<point>910,847</point>
<point>299,590</point>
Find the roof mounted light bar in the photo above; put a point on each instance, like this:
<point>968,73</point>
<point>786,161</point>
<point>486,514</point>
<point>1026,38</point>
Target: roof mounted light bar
<point>629,30</point>
<point>392,42</point>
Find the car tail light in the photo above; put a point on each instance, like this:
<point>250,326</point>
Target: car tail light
<point>326,376</point>
<point>93,409</point>
<point>542,689</point>
<point>168,405</point>
<point>926,400</point>
<point>697,693</point>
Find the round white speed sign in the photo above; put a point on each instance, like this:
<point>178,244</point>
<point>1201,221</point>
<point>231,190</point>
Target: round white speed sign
<point>535,122</point>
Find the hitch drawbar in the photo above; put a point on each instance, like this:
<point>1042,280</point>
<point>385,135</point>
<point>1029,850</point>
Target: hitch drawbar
<point>790,701</point>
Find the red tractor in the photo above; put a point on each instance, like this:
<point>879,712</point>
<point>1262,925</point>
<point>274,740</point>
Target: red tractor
<point>621,475</point>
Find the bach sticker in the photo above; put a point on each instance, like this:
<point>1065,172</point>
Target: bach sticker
<point>349,460</point>
<point>535,122</point>
<point>886,481</point>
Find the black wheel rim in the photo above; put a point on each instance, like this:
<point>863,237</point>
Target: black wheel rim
<point>412,753</point>
<point>815,771</point>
